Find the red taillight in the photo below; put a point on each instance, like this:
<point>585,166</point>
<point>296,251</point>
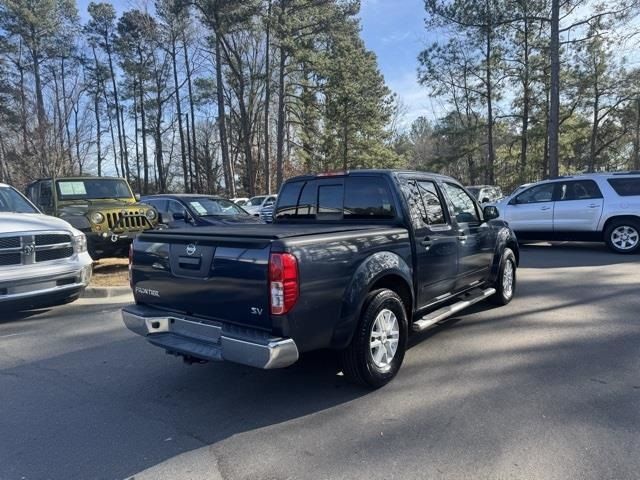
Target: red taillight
<point>283,282</point>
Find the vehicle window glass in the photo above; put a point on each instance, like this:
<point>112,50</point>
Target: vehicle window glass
<point>626,187</point>
<point>160,205</point>
<point>308,198</point>
<point>367,198</point>
<point>255,201</point>
<point>434,211</point>
<point>45,198</point>
<point>12,201</point>
<point>475,191</point>
<point>537,194</point>
<point>411,193</point>
<point>85,189</point>
<point>175,207</point>
<point>288,199</point>
<point>580,190</point>
<point>207,206</point>
<point>464,208</point>
<point>330,199</point>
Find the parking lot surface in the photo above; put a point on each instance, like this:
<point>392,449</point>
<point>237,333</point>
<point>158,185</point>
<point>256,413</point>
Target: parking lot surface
<point>545,388</point>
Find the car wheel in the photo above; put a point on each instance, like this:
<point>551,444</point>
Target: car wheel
<point>379,343</point>
<point>505,284</point>
<point>623,236</point>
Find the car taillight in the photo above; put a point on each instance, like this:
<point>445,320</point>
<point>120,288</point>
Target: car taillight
<point>283,282</point>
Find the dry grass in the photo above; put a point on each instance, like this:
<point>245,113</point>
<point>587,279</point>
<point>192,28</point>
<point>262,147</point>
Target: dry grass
<point>110,272</point>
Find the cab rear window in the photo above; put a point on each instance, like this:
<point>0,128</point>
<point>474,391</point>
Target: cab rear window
<point>626,187</point>
<point>356,198</point>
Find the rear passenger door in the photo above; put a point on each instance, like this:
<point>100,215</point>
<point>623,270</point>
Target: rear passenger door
<point>578,206</point>
<point>436,249</point>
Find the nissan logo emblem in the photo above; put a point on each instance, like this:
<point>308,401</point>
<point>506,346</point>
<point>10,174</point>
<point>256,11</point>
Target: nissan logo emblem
<point>191,249</point>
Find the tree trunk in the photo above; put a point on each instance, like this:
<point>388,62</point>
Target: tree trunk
<point>96,108</point>
<point>554,100</point>
<point>135,127</point>
<point>267,106</point>
<point>143,132</point>
<point>116,102</point>
<point>113,135</point>
<point>195,189</point>
<point>593,138</point>
<point>183,150</point>
<point>524,134</point>
<point>23,104</point>
<point>41,114</point>
<point>77,137</point>
<point>224,146</point>
<point>192,151</point>
<point>489,173</point>
<point>65,109</point>
<point>281,117</point>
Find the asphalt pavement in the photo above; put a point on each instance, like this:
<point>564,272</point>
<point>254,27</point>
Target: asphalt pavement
<point>545,388</point>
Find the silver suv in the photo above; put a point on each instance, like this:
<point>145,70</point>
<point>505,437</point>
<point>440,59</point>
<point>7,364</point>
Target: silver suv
<point>43,260</point>
<point>591,207</point>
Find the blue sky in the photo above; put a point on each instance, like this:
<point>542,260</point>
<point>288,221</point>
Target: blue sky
<point>394,30</point>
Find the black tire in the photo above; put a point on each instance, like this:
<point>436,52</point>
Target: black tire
<point>358,364</point>
<point>614,236</point>
<point>503,294</point>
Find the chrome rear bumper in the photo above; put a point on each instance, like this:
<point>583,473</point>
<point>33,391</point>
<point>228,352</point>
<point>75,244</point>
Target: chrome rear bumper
<point>207,340</point>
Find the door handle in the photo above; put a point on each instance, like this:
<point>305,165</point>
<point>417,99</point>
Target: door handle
<point>462,236</point>
<point>545,208</point>
<point>426,242</point>
<point>594,205</point>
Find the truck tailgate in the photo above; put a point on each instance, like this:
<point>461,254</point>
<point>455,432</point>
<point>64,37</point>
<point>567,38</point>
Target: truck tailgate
<point>220,274</point>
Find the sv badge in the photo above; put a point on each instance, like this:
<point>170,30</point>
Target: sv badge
<point>256,311</point>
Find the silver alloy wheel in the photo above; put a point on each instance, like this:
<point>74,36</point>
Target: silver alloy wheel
<point>508,274</point>
<point>625,237</point>
<point>383,342</point>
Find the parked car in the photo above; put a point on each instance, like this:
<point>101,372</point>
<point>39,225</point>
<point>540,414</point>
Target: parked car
<point>104,208</point>
<point>353,262</point>
<point>486,193</point>
<point>256,204</point>
<point>266,214</point>
<point>242,201</point>
<point>592,207</point>
<point>198,210</point>
<point>43,260</point>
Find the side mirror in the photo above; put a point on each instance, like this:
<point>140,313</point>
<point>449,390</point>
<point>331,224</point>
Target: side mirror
<point>490,213</point>
<point>137,197</point>
<point>485,200</point>
<point>180,216</point>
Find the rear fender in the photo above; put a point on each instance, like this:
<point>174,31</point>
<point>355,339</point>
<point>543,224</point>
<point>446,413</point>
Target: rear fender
<point>506,238</point>
<point>372,269</point>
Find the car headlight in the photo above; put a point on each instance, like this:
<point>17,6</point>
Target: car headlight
<point>151,214</point>
<point>80,243</point>
<point>96,217</point>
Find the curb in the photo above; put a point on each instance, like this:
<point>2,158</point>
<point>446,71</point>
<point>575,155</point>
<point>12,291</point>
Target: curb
<point>105,292</point>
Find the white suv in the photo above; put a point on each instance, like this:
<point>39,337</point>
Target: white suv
<point>591,207</point>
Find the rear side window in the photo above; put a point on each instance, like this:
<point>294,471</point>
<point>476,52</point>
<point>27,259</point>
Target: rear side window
<point>355,198</point>
<point>579,190</point>
<point>626,187</point>
<point>432,204</point>
<point>367,197</point>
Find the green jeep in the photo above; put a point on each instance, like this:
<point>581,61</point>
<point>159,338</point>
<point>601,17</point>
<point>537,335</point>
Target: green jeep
<point>104,208</point>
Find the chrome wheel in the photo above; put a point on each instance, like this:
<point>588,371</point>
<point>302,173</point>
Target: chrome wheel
<point>625,237</point>
<point>507,279</point>
<point>383,342</point>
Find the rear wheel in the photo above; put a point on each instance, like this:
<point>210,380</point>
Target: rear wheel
<point>623,236</point>
<point>506,281</point>
<point>379,343</point>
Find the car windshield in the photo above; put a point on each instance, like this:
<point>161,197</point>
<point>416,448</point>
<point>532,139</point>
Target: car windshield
<point>475,191</point>
<point>12,201</point>
<point>256,201</point>
<point>89,189</point>
<point>206,207</point>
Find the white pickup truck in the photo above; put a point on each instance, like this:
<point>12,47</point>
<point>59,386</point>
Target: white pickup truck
<point>43,260</point>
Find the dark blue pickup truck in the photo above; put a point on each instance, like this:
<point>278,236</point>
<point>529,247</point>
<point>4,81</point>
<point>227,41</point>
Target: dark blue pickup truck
<point>352,262</point>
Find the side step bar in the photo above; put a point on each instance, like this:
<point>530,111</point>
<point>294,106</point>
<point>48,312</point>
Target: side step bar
<point>464,301</point>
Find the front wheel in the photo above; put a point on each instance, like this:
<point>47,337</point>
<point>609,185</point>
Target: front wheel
<point>506,280</point>
<point>623,236</point>
<point>379,343</point>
